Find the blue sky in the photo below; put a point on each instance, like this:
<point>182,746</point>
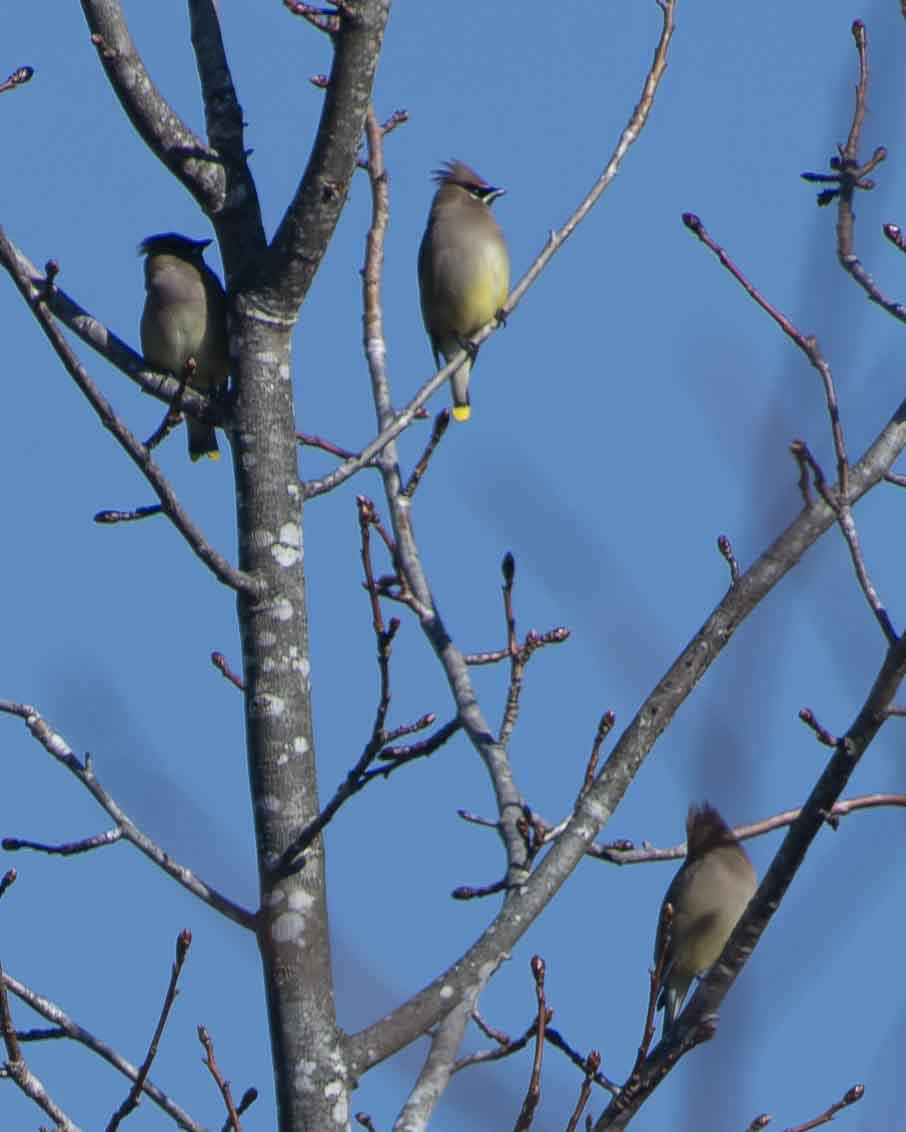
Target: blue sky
<point>636,406</point>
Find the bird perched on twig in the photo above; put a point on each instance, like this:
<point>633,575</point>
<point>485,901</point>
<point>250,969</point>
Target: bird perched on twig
<point>185,318</point>
<point>463,270</point>
<point>708,895</point>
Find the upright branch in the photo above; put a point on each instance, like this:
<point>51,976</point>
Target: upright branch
<point>533,1092</point>
<point>130,1104</point>
<point>590,1069</point>
<point>222,1084</point>
<point>519,654</point>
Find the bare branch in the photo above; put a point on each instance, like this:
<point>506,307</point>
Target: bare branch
<point>806,343</point>
<point>56,745</point>
<point>847,175</point>
<point>77,1033</point>
<point>183,943</point>
<point>441,423</point>
<point>324,445</point>
<point>438,1068</point>
<point>67,848</point>
<point>384,1037</point>
<point>605,726</point>
<point>626,854</point>
<point>248,1099</point>
<point>851,1096</point>
<point>223,1085</point>
<point>533,1093</point>
<point>840,500</point>
<point>592,1064</point>
<point>196,165</point>
<point>110,518</point>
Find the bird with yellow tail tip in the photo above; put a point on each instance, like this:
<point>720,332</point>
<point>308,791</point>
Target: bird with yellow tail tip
<point>185,318</point>
<point>708,895</point>
<point>463,270</point>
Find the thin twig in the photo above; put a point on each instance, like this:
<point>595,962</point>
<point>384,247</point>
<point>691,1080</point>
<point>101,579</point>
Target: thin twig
<point>507,1046</point>
<point>309,441</point>
<point>223,1085</point>
<point>183,943</point>
<point>109,517</point>
<point>533,1092</point>
<point>605,726</point>
<point>556,1039</point>
<point>808,344</point>
<point>66,848</point>
<point>856,1093</point>
<point>655,982</point>
<point>838,500</point>
<point>629,855</point>
<point>592,1064</point>
<point>441,423</point>
<point>248,1099</point>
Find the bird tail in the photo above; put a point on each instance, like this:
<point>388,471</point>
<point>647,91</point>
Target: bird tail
<point>673,992</point>
<point>202,440</point>
<point>459,383</point>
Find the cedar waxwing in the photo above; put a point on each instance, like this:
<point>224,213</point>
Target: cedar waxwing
<point>185,317</point>
<point>463,269</point>
<point>708,894</point>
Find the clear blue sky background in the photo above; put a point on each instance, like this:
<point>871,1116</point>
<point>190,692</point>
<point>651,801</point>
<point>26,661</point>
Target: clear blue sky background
<point>636,406</point>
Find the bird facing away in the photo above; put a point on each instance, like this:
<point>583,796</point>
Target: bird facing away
<point>708,895</point>
<point>463,270</point>
<point>185,317</point>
